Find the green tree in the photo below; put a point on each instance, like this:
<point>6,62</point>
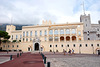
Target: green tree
<point>4,35</point>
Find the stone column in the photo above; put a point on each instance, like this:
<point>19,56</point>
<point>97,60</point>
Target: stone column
<point>53,35</point>
<point>59,35</point>
<point>64,35</point>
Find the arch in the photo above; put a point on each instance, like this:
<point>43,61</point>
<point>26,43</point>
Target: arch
<point>36,46</point>
<point>73,38</point>
<point>67,38</point>
<point>61,38</point>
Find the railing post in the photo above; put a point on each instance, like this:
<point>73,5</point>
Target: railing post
<point>10,57</point>
<point>17,54</point>
<point>48,64</point>
<point>44,60</point>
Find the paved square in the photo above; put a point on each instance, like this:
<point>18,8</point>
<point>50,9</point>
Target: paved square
<point>77,60</point>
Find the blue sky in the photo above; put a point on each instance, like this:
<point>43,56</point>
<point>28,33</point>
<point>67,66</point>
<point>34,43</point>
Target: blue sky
<point>58,11</point>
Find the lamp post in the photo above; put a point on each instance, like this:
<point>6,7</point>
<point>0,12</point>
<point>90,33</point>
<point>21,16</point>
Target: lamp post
<point>93,49</point>
<point>53,49</point>
<point>66,48</point>
<point>79,50</point>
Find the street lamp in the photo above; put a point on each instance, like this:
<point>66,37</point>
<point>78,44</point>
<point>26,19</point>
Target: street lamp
<point>79,49</point>
<point>93,49</point>
<point>53,49</point>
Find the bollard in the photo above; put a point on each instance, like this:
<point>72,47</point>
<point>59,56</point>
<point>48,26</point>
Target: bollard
<point>10,57</point>
<point>17,54</point>
<point>44,60</point>
<point>43,56</point>
<point>48,64</point>
<point>20,54</point>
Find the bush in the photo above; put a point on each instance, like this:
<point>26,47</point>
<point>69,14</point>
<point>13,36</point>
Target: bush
<point>19,40</point>
<point>14,41</point>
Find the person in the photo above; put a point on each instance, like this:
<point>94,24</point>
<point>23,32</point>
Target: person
<point>64,51</point>
<point>69,51</point>
<point>72,51</point>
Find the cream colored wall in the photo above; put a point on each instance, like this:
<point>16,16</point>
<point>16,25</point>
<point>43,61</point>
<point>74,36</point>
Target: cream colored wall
<point>46,46</point>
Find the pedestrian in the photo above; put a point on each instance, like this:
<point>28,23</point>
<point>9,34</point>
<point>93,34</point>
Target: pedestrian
<point>72,51</point>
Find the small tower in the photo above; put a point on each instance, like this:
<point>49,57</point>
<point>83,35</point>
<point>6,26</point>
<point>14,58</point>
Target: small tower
<point>86,21</point>
<point>10,28</point>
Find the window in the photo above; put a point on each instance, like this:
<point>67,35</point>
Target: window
<point>92,45</point>
<point>68,45</point>
<point>50,38</point>
<point>26,39</point>
<point>67,31</point>
<point>16,37</point>
<point>45,39</point>
<point>30,33</point>
<point>88,38</point>
<point>40,33</point>
<point>80,45</point>
<point>23,34</point>
<point>62,45</point>
<point>61,31</point>
<point>27,33</point>
<point>35,33</point>
<point>4,46</point>
<point>12,37</point>
<point>50,32</point>
<point>8,46</point>
<point>98,45</point>
<point>73,31</point>
<point>20,37</point>
<point>86,45</point>
<point>98,35</point>
<point>86,25</point>
<point>30,39</point>
<point>17,46</point>
<point>55,45</point>
<point>73,45</point>
<point>12,45</point>
<point>23,39</point>
<point>45,32</point>
<point>85,19</point>
<point>56,32</point>
<point>56,38</point>
<point>97,29</point>
<point>79,33</point>
<point>50,45</point>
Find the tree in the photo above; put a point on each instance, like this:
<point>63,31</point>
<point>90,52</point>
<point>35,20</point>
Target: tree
<point>4,35</point>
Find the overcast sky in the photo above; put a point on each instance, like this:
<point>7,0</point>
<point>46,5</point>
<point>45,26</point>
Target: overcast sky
<point>58,11</point>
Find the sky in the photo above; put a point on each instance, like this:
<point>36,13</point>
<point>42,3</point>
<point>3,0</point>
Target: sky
<point>58,11</point>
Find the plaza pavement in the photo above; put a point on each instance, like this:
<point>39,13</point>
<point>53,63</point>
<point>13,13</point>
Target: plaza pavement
<point>25,60</point>
<point>75,60</point>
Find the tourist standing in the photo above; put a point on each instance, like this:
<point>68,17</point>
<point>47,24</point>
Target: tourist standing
<point>72,51</point>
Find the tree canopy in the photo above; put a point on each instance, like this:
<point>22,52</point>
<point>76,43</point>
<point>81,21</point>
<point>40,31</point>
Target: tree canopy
<point>4,35</point>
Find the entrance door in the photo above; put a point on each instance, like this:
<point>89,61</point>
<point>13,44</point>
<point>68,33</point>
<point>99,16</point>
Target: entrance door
<point>29,49</point>
<point>36,46</point>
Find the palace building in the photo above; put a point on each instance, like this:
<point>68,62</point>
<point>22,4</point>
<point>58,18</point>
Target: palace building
<point>82,36</point>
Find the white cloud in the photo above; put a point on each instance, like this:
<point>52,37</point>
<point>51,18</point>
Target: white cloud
<point>59,11</point>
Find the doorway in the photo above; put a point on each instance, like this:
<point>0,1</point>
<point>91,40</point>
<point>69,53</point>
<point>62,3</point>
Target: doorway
<point>36,46</point>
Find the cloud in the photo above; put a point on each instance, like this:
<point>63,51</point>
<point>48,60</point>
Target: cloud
<point>59,11</point>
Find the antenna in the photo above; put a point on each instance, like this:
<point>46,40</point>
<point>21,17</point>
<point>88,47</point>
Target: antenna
<point>10,17</point>
<point>83,7</point>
